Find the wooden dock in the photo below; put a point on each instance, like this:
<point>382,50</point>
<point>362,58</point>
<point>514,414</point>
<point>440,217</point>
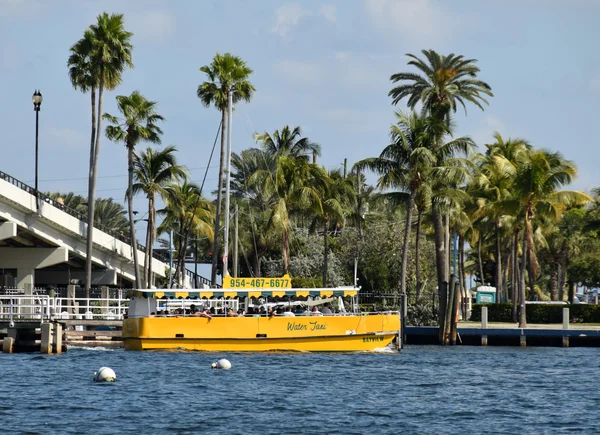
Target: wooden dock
<point>509,334</point>
<point>57,336</point>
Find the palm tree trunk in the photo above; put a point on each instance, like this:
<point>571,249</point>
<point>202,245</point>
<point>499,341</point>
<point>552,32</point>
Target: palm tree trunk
<point>286,250</point>
<point>522,297</point>
<point>325,253</point>
<point>461,276</point>
<point>152,222</point>
<point>515,275</point>
<point>507,263</point>
<point>498,264</point>
<point>562,275</point>
<point>480,260</point>
<point>417,262</point>
<point>215,259</point>
<point>407,227</point>
<point>440,256</point>
<point>131,220</point>
<point>572,289</point>
<point>146,255</point>
<point>447,245</point>
<point>91,197</point>
<point>554,281</point>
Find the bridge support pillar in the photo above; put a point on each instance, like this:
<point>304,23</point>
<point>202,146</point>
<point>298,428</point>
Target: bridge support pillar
<point>26,260</point>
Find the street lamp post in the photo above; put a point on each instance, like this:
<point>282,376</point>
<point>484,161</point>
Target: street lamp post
<point>37,102</point>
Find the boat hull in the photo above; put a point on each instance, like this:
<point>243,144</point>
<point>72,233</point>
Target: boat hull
<point>356,333</point>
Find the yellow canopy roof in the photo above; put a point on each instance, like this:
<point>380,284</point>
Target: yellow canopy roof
<point>255,293</point>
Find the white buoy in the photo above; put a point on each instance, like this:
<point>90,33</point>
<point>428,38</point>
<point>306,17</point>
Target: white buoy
<point>105,374</point>
<point>221,364</point>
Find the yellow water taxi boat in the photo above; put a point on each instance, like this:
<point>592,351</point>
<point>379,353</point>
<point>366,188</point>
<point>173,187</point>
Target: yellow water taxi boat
<point>166,319</point>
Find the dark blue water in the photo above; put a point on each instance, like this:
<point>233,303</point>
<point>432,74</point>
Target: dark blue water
<point>429,390</point>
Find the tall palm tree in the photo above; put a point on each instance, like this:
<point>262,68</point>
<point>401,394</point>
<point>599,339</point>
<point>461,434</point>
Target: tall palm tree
<point>97,61</point>
<point>226,73</point>
<point>444,82</point>
<point>138,124</point>
<point>536,187</point>
<point>288,142</point>
<point>405,165</point>
<point>153,170</point>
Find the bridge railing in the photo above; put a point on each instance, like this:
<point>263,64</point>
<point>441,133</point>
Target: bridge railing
<point>77,214</point>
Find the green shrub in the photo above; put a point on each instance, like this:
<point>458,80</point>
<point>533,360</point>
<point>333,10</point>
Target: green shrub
<point>496,312</point>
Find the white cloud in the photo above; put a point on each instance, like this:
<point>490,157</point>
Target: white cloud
<point>67,138</point>
<point>595,83</point>
<point>153,26</point>
<point>287,17</point>
<point>329,12</point>
<point>421,21</point>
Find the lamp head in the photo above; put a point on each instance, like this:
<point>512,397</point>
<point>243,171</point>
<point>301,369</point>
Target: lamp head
<point>37,100</point>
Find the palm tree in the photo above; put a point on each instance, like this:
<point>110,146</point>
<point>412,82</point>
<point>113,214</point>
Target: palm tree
<point>139,124</point>
<point>288,142</point>
<point>405,165</point>
<point>444,82</point>
<point>536,185</point>
<point>227,73</point>
<point>185,209</point>
<point>153,171</point>
<point>111,214</point>
<point>336,198</point>
<point>97,61</point>
<point>493,187</point>
<point>295,184</point>
<point>255,201</point>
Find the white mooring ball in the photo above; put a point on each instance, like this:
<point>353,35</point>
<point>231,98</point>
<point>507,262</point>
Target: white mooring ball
<point>105,374</point>
<point>221,364</point>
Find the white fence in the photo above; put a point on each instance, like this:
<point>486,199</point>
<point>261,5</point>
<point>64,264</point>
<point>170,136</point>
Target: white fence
<point>18,307</point>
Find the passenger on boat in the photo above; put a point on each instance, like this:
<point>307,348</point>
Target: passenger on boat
<point>231,313</point>
<point>326,310</point>
<point>205,313</point>
<point>270,312</point>
<point>240,313</point>
<point>315,311</point>
<point>288,313</point>
<point>299,311</point>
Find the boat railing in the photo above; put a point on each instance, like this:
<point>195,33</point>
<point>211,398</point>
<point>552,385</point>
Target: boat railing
<point>91,309</point>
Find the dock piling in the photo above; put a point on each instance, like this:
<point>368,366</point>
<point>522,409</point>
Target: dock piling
<point>484,325</point>
<point>8,344</point>
<point>46,342</point>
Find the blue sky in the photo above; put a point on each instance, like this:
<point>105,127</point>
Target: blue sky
<point>324,66</point>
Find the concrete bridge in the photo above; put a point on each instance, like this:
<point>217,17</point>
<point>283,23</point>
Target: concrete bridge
<point>43,243</point>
